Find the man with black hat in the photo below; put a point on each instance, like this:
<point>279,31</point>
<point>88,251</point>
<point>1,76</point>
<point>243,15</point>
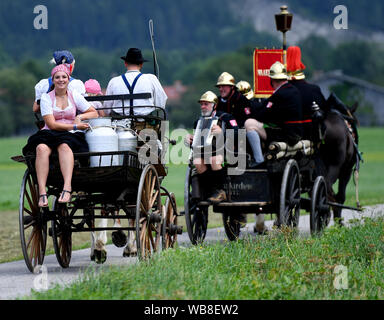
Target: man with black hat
<point>133,81</point>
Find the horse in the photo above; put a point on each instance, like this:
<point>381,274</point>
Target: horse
<point>339,154</point>
<point>119,239</point>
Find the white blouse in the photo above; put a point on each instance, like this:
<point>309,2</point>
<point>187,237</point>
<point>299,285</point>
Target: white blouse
<point>46,103</point>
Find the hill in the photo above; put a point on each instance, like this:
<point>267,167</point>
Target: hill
<point>108,25</point>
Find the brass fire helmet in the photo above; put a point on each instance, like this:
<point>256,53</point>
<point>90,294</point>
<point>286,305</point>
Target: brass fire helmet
<point>225,79</point>
<point>209,96</point>
<point>278,71</point>
<point>245,88</point>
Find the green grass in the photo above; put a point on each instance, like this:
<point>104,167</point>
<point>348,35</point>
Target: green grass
<point>278,266</point>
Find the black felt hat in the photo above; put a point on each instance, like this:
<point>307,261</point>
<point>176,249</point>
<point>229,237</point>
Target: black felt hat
<point>134,56</point>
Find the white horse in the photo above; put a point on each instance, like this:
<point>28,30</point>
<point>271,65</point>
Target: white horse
<point>260,227</point>
<point>119,239</point>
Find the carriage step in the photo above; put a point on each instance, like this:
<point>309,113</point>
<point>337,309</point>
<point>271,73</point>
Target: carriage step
<point>181,213</point>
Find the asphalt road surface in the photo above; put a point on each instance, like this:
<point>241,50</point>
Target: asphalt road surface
<point>16,281</point>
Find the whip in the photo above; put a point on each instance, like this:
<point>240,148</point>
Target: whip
<point>155,64</point>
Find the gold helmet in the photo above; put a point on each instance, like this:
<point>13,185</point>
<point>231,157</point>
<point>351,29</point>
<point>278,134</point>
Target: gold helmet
<point>245,88</point>
<point>225,79</point>
<point>278,71</point>
<point>209,96</point>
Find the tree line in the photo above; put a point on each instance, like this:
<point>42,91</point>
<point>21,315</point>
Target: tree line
<point>196,69</point>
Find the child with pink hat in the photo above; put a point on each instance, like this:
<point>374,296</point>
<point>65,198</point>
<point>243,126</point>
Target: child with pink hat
<point>92,88</point>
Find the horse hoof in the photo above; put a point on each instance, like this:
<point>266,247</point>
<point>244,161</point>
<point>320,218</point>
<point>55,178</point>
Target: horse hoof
<point>260,232</point>
<point>100,256</point>
<point>129,253</point>
<point>119,239</point>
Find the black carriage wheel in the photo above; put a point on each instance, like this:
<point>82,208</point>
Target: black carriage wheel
<point>231,227</point>
<point>62,234</point>
<point>32,223</point>
<point>290,192</point>
<point>169,228</point>
<point>196,218</point>
<point>320,211</point>
<point>148,213</point>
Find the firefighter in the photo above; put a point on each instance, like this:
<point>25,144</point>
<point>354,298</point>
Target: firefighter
<point>212,174</point>
<point>309,93</point>
<point>231,100</point>
<point>282,112</point>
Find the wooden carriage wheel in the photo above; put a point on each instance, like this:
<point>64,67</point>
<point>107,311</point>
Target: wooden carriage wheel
<point>320,211</point>
<point>196,218</point>
<point>290,192</point>
<point>170,228</point>
<point>32,223</point>
<point>148,213</point>
<point>62,234</point>
<point>231,227</point>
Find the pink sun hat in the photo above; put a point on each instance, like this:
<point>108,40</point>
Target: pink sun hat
<point>92,86</point>
<point>61,67</point>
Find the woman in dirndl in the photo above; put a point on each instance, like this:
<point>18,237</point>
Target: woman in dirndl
<point>61,133</point>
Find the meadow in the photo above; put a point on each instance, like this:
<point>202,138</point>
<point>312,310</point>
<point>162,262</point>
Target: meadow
<point>344,263</point>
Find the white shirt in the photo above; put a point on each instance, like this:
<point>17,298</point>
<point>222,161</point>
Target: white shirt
<point>46,103</point>
<point>147,83</point>
<point>43,85</point>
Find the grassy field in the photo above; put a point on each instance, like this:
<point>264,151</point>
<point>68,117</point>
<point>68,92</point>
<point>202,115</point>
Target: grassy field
<point>344,263</point>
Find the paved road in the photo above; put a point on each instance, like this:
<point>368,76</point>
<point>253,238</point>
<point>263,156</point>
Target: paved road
<point>16,281</point>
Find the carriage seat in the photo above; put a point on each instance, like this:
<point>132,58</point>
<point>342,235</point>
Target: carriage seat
<point>277,150</point>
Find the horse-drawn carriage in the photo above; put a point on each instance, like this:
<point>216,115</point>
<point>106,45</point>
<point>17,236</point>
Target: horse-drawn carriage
<point>291,179</point>
<point>275,187</point>
<point>105,182</point>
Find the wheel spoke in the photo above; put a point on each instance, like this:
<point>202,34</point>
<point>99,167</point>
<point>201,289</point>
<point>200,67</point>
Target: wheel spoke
<point>31,204</point>
<point>32,190</point>
<point>32,223</point>
<point>153,199</point>
<point>27,211</point>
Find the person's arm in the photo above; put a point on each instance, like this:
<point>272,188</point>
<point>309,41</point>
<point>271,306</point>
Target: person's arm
<point>159,95</point>
<point>35,107</point>
<point>90,113</point>
<point>39,90</point>
<point>86,109</point>
<point>52,124</point>
<point>108,103</point>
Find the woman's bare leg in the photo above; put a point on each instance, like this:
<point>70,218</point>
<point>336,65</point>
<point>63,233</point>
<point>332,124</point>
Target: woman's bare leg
<point>42,169</point>
<point>66,166</point>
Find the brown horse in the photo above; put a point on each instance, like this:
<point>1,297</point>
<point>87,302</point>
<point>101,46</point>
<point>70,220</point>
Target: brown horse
<point>339,154</point>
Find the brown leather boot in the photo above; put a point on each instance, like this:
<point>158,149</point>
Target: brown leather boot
<point>218,197</point>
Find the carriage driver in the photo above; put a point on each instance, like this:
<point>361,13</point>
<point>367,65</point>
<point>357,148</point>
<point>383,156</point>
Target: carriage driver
<point>282,112</point>
<point>212,175</point>
<point>133,81</point>
<point>309,93</point>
